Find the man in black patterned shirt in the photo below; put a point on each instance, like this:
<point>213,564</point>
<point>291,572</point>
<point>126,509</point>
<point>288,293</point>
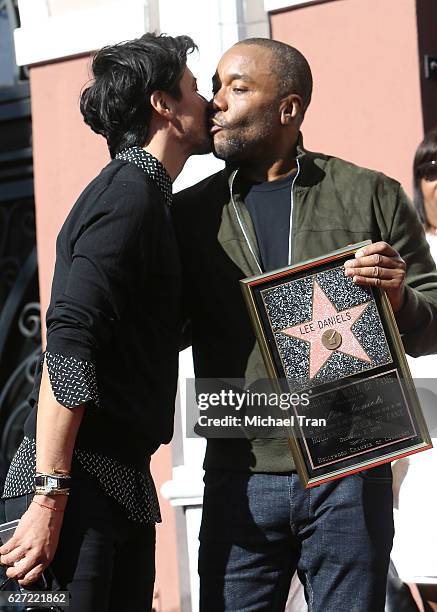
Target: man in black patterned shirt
<point>104,394</point>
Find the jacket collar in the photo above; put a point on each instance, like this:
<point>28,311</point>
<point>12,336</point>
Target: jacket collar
<point>230,234</point>
<point>237,183</point>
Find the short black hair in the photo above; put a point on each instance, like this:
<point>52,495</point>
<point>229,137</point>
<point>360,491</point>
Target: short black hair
<point>116,104</point>
<point>426,152</point>
<point>290,66</point>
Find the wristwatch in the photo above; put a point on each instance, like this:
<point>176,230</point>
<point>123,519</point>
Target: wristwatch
<point>51,484</point>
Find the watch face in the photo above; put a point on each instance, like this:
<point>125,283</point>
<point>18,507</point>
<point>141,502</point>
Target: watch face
<point>52,482</point>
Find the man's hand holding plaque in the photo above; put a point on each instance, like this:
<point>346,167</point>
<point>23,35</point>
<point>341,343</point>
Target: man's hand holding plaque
<point>380,265</point>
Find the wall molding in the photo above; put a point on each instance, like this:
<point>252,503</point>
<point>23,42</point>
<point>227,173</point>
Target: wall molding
<point>43,38</point>
<point>271,6</point>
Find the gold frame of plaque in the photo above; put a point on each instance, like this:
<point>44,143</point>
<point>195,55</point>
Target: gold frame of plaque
<point>338,344</point>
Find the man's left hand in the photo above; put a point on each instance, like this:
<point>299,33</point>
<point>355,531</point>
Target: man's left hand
<point>380,265</point>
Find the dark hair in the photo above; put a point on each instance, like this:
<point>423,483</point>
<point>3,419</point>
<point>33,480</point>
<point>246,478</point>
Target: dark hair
<point>426,151</point>
<point>290,66</point>
<point>116,104</point>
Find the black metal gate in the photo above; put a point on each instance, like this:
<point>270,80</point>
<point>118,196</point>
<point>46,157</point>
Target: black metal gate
<point>20,338</point>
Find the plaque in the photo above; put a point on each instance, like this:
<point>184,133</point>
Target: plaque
<point>337,345</point>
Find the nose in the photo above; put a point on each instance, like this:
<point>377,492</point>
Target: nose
<point>218,101</point>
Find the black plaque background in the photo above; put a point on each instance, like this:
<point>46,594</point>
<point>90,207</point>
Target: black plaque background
<point>365,445</point>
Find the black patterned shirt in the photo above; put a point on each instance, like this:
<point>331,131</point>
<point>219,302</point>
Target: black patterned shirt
<point>74,382</point>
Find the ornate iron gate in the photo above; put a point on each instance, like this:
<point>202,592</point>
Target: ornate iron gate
<point>20,338</point>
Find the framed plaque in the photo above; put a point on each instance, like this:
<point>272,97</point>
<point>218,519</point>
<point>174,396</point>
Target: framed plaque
<point>338,346</point>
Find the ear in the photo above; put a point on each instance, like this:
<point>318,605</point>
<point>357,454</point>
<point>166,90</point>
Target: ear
<point>291,109</point>
<point>162,103</point>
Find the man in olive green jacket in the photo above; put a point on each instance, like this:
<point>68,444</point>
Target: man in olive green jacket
<point>259,525</point>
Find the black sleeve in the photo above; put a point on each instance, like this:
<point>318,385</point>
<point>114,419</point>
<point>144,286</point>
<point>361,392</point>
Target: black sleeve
<point>105,260</point>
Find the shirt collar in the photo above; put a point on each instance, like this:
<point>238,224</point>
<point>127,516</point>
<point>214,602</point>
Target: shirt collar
<point>151,166</point>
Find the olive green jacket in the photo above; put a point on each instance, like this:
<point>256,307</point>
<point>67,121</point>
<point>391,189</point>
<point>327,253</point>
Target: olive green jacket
<point>335,203</point>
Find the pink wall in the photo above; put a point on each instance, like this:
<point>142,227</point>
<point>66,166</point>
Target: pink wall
<point>67,155</point>
<point>366,104</point>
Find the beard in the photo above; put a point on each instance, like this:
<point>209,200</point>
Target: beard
<point>231,149</point>
<point>244,139</point>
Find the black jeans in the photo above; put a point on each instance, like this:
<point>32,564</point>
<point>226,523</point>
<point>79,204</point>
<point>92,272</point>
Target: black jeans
<point>104,560</point>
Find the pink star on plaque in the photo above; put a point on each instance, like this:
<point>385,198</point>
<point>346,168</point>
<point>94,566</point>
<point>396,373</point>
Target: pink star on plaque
<point>329,330</point>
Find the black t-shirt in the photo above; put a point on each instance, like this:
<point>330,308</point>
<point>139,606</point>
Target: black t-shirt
<point>269,206</point>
